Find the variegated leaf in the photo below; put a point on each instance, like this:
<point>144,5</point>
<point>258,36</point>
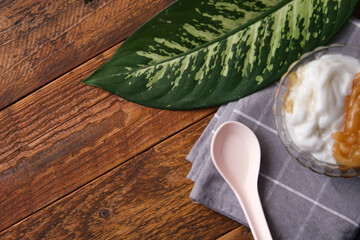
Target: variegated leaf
<point>198,54</point>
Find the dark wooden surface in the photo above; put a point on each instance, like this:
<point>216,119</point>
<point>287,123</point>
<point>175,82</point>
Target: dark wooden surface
<point>75,161</point>
<point>41,40</point>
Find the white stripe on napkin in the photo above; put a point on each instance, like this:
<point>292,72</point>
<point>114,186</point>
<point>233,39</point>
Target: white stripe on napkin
<point>309,199</point>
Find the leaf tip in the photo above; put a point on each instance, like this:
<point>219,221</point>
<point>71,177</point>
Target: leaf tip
<point>90,80</point>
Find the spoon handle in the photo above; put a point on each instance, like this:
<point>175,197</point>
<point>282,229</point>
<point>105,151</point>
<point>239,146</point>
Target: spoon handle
<point>251,205</point>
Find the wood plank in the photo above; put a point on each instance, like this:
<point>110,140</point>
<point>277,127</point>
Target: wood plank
<point>145,198</point>
<point>40,40</point>
<point>50,106</point>
<point>238,233</point>
<point>81,149</point>
<point>28,144</point>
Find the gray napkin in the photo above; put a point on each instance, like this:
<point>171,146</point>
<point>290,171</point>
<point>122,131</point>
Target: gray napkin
<point>298,203</point>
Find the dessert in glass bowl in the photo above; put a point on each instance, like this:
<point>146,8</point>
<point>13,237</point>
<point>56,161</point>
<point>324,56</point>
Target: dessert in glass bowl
<point>317,110</point>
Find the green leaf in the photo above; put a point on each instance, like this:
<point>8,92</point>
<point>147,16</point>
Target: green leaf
<point>197,54</point>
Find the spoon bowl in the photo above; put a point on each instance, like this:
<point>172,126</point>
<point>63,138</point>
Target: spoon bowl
<point>235,152</point>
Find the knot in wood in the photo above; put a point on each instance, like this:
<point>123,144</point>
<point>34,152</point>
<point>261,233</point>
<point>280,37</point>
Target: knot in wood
<point>104,213</point>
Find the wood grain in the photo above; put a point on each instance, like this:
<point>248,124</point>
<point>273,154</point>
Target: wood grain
<point>240,233</point>
<point>55,123</point>
<point>79,150</point>
<point>50,106</point>
<point>41,40</point>
<point>145,198</point>
<point>26,168</point>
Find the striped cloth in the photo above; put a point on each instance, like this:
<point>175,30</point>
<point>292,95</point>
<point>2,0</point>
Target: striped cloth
<point>298,203</point>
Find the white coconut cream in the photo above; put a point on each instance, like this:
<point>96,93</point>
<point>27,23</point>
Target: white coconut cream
<point>315,103</point>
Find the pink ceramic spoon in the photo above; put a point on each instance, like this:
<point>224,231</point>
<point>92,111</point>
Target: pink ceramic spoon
<point>235,151</point>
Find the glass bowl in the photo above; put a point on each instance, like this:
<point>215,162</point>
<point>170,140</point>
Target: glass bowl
<point>304,158</point>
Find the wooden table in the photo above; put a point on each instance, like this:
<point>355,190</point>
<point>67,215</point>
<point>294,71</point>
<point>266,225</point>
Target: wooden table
<point>75,161</point>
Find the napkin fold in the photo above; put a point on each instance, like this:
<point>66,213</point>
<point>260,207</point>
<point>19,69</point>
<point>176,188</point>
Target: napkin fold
<point>298,203</point>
